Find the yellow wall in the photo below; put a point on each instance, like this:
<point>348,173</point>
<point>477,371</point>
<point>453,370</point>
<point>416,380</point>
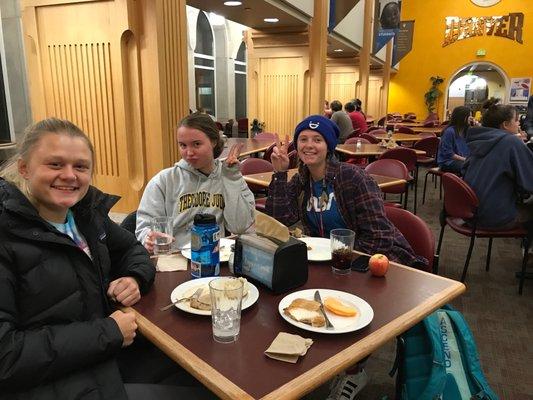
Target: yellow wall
<point>429,58</point>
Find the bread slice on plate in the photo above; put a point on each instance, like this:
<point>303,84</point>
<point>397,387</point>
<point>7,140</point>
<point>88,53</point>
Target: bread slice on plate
<point>306,311</point>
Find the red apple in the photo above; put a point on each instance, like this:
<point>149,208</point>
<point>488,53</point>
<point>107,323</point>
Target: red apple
<point>379,264</point>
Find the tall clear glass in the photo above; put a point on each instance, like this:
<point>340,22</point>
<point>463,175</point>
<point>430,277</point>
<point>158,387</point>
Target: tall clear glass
<point>226,300</point>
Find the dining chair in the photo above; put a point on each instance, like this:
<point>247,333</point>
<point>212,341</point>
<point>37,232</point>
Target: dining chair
<point>255,166</point>
<point>394,169</point>
<point>460,214</point>
<point>382,121</point>
<point>417,233</point>
<point>406,129</point>
<point>268,152</point>
<point>242,126</point>
<point>355,133</point>
<point>369,137</point>
<point>408,157</point>
<point>430,145</point>
<point>130,222</point>
<point>373,128</point>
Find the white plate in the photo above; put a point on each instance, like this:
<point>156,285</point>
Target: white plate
<point>225,249</point>
<point>320,248</point>
<point>189,287</point>
<point>364,316</point>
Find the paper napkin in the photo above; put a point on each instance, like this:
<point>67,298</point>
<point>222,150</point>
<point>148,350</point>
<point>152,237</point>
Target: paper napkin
<point>171,262</point>
<point>288,348</point>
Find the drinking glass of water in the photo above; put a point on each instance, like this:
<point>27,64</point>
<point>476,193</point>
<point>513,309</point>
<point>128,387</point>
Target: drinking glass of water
<point>226,298</point>
<point>162,226</point>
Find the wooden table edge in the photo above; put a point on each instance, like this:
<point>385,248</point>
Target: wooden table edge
<point>210,377</point>
<point>316,376</point>
<point>320,374</point>
<point>259,182</point>
<point>372,153</point>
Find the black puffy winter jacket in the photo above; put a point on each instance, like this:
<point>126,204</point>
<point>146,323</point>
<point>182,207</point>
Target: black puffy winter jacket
<point>56,339</point>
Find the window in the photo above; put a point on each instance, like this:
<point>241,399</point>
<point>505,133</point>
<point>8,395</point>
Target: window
<point>240,82</point>
<point>204,65</point>
<point>5,126</point>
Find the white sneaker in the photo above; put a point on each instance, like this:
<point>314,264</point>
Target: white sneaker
<point>346,386</point>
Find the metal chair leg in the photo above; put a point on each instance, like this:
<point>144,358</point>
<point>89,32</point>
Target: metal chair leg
<point>441,236</point>
<point>425,185</point>
<point>416,190</point>
<point>524,265</point>
<point>487,264</point>
<point>469,254</point>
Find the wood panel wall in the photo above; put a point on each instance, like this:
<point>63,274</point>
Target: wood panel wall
<point>118,69</point>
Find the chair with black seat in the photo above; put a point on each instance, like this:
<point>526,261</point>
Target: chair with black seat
<point>408,157</point>
<point>130,222</point>
<point>394,169</point>
<point>219,126</point>
<point>255,166</point>
<point>242,127</point>
<point>415,230</point>
<point>460,213</point>
<point>372,139</point>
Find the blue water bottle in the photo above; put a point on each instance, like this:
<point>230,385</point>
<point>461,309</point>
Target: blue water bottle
<point>205,238</point>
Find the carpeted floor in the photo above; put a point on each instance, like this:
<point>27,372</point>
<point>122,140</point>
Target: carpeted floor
<point>500,319</point>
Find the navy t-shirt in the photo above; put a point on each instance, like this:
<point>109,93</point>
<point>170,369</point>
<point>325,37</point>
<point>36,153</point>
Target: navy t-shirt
<point>322,211</point>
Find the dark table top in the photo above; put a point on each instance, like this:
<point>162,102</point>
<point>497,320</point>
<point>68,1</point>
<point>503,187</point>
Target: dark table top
<point>241,370</point>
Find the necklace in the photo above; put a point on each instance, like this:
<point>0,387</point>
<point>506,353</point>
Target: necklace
<point>322,201</point>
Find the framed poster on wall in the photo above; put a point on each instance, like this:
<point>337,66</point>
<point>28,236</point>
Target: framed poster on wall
<point>520,89</point>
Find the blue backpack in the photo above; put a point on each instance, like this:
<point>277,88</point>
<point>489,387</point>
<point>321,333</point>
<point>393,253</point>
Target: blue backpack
<point>437,359</point>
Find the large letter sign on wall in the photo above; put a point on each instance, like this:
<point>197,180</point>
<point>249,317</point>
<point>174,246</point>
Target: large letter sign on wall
<point>507,26</point>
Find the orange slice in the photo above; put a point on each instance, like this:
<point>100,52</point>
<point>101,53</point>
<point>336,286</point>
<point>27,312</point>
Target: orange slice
<point>338,307</point>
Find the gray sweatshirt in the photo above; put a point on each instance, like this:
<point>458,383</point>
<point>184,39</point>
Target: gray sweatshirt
<point>182,191</point>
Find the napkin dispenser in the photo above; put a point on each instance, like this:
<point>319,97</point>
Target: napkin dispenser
<point>278,266</point>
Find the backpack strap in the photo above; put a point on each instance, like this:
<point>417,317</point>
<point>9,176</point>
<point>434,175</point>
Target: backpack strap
<point>470,356</point>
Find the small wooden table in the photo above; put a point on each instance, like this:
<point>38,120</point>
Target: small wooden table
<point>249,146</point>
<point>264,178</point>
<point>241,370</point>
<point>399,137</point>
<point>367,149</point>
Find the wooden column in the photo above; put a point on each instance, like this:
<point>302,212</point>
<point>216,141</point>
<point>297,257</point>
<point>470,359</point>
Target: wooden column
<point>117,69</point>
<point>364,55</point>
<point>318,44</point>
<point>387,68</point>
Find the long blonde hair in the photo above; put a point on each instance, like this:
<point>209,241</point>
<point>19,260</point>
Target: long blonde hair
<point>32,135</point>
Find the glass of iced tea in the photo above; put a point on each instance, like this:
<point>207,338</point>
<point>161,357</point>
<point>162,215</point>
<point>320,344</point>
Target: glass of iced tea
<point>342,241</point>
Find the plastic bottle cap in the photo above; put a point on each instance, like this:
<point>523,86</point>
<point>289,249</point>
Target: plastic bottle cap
<point>204,219</point>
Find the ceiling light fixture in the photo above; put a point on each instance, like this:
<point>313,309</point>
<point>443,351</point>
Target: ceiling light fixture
<point>338,50</point>
<point>271,20</point>
<point>232,3</point>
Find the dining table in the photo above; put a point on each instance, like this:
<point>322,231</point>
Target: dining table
<point>399,137</point>
<point>367,149</point>
<point>249,146</point>
<point>241,370</point>
<point>263,178</point>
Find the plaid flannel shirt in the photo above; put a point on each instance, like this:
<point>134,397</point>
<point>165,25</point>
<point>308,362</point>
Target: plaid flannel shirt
<point>360,205</point>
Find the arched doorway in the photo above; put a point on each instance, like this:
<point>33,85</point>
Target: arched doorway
<point>204,65</point>
<point>473,84</point>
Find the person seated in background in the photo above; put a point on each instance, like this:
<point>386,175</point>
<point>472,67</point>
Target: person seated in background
<point>528,122</point>
<point>327,109</point>
<point>453,149</point>
<point>499,168</point>
<point>63,266</point>
<point>342,120</point>
<point>199,182</point>
<point>358,106</point>
<point>358,119</point>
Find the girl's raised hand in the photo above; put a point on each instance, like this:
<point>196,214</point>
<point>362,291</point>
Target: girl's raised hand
<point>280,157</point>
<point>233,155</point>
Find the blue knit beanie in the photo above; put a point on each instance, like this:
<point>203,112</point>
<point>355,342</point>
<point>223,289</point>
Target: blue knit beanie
<point>327,128</point>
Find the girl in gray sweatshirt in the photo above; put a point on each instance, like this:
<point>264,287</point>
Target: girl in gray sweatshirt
<point>197,183</point>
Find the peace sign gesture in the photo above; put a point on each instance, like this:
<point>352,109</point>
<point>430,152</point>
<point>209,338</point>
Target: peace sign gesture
<point>233,155</point>
<point>280,157</point>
